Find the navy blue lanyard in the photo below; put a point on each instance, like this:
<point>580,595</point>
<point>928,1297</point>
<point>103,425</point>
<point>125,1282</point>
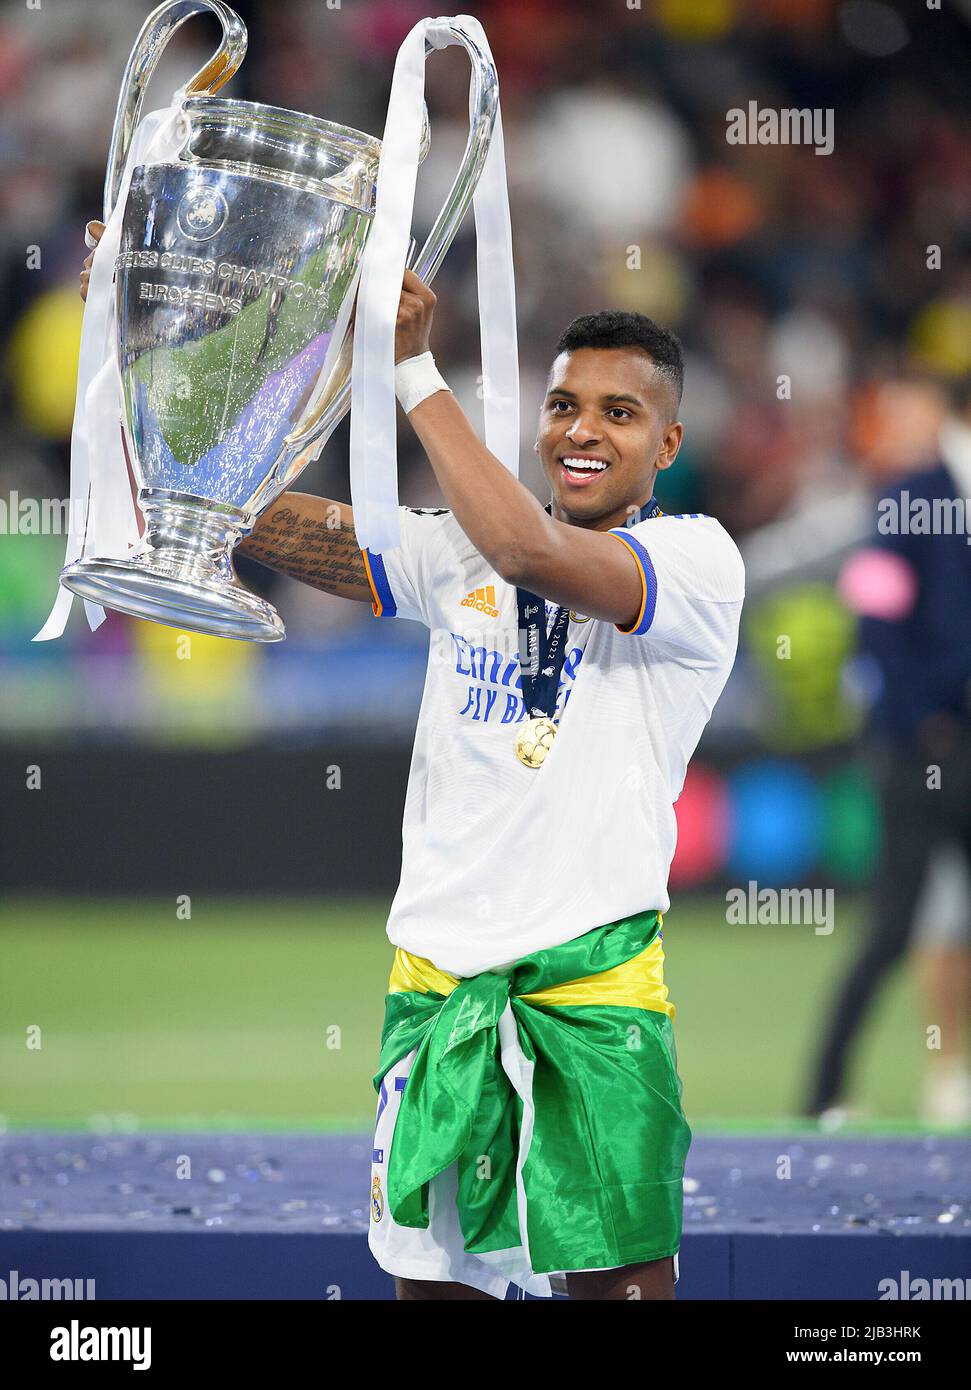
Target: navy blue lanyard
<point>542,653</point>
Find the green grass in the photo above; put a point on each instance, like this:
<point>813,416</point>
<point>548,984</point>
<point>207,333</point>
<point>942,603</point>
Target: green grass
<point>227,1020</point>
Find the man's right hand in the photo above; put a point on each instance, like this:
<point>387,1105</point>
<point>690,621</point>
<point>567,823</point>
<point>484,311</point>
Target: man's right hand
<point>97,231</point>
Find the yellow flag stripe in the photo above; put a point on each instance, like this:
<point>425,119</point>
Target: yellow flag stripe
<point>636,984</point>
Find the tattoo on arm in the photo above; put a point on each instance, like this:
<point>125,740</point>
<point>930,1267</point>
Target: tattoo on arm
<point>310,539</point>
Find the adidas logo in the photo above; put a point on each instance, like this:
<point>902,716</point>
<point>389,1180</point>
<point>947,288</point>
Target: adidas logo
<point>483,601</point>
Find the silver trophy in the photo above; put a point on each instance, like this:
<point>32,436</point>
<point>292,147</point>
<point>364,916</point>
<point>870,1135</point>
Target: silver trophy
<point>235,262</point>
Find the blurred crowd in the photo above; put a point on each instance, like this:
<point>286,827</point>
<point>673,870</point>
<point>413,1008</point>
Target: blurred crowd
<point>824,302</point>
<point>799,282</point>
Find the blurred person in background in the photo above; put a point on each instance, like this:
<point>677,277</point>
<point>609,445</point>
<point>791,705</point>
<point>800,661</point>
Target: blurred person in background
<point>911,587</point>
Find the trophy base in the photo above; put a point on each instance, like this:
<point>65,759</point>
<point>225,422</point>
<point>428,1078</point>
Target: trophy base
<point>181,575</point>
<point>142,592</point>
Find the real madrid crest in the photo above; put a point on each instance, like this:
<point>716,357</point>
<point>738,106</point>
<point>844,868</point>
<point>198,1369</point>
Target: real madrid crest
<point>377,1200</point>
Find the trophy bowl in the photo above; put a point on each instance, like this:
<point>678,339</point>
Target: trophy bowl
<point>236,272</point>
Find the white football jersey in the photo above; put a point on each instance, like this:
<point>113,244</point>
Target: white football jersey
<point>499,859</point>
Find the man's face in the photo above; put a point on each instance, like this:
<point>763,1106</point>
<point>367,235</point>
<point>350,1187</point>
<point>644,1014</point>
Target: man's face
<point>606,427</point>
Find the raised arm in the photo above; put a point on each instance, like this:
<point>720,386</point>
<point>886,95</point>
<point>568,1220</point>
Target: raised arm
<point>308,538</point>
<point>311,539</point>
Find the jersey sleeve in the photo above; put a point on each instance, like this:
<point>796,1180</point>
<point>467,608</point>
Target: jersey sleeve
<point>401,579</point>
<point>692,582</point>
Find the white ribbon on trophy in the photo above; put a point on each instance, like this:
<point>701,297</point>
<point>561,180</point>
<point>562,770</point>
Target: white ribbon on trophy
<point>102,513</point>
<point>373,450</point>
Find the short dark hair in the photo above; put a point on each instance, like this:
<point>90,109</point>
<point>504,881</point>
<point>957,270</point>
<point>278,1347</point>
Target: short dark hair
<point>621,328</point>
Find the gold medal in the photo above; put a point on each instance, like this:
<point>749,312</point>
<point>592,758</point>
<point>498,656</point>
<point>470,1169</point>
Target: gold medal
<point>534,740</point>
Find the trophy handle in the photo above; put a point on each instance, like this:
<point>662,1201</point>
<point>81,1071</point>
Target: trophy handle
<point>483,105</point>
<point>310,437</point>
<point>155,33</point>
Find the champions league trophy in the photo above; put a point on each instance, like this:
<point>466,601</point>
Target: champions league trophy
<point>235,274</point>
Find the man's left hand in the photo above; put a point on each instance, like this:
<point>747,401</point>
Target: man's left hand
<point>413,325</point>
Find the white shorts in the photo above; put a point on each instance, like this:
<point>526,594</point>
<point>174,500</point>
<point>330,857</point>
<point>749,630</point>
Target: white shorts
<point>439,1253</point>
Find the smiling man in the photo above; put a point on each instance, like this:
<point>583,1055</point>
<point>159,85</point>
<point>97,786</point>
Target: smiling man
<point>529,1125</point>
<point>529,1119</point>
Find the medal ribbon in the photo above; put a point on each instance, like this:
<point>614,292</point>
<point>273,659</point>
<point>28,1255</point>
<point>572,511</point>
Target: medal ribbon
<point>542,653</point>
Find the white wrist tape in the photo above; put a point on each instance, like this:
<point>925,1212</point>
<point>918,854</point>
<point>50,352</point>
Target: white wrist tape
<point>415,379</point>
